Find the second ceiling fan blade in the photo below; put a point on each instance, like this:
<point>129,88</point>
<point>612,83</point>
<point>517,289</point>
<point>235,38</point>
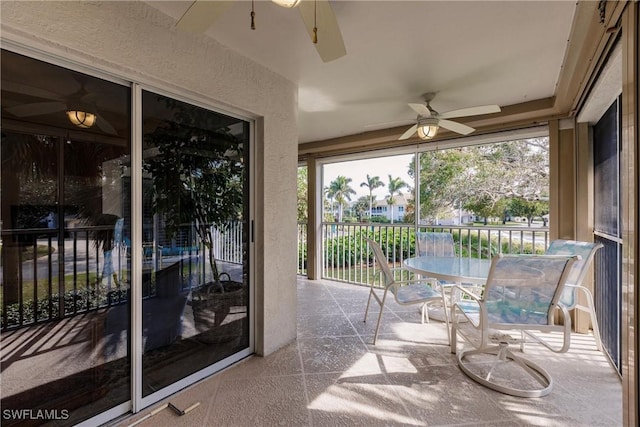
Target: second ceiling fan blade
<point>420,109</point>
<point>408,133</point>
<point>471,111</point>
<point>455,126</point>
<point>105,126</point>
<point>201,15</point>
<point>319,14</point>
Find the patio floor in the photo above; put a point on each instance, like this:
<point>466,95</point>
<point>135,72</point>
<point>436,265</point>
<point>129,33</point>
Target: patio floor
<point>332,375</point>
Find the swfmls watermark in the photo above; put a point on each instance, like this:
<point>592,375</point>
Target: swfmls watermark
<point>35,414</point>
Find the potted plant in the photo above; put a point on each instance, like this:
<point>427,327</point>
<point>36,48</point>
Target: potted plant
<point>197,173</point>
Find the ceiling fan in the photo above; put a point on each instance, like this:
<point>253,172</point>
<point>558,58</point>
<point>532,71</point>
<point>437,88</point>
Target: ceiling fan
<point>80,106</point>
<point>429,120</point>
<point>317,15</point>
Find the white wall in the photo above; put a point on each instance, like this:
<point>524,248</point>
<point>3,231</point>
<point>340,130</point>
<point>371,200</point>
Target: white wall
<point>137,43</point>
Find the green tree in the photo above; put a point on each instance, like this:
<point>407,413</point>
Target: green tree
<point>372,183</point>
<point>487,208</point>
<point>395,186</point>
<point>528,208</point>
<point>302,194</point>
<point>341,191</point>
<point>443,176</point>
<point>360,207</point>
<point>197,174</point>
<point>498,172</point>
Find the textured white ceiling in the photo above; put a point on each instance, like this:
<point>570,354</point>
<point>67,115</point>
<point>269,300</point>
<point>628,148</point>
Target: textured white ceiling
<point>470,53</point>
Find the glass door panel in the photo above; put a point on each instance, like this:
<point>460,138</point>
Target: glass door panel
<point>195,239</point>
<point>65,214</point>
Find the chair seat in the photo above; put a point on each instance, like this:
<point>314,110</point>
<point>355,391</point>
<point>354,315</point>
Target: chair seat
<point>415,293</point>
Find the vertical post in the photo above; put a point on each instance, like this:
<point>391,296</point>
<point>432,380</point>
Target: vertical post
<point>562,181</point>
<point>314,219</point>
<point>60,219</point>
<point>416,191</point>
<point>630,185</point>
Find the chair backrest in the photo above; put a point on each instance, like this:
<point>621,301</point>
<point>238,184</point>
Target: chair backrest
<point>381,259</point>
<point>586,251</point>
<point>429,243</point>
<point>525,289</point>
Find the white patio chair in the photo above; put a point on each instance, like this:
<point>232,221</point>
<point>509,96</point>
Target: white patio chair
<point>405,292</point>
<point>574,286</point>
<point>522,294</point>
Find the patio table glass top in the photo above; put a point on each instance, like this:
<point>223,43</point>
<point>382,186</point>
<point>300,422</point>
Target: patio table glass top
<point>452,269</point>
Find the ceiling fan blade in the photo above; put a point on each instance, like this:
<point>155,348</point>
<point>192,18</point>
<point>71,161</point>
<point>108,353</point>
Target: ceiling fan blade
<point>318,13</point>
<point>20,88</point>
<point>201,15</point>
<point>421,109</point>
<point>472,111</point>
<point>409,132</point>
<point>455,126</point>
<point>105,126</point>
<point>36,109</point>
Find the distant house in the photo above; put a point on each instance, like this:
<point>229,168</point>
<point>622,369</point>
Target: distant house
<point>457,217</point>
<point>381,208</point>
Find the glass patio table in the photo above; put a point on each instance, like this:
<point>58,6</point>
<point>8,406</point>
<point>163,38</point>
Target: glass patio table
<point>454,270</point>
<point>451,269</point>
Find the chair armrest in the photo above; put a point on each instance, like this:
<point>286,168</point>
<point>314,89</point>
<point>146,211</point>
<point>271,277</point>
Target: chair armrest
<point>468,293</point>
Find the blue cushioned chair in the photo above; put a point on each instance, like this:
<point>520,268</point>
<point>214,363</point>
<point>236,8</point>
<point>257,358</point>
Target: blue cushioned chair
<point>522,294</point>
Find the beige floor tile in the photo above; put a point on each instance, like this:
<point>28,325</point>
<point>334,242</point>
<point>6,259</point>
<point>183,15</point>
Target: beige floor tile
<point>332,375</point>
<point>265,401</point>
<point>358,400</point>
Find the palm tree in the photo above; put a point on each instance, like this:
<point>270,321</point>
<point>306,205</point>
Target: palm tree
<point>341,191</point>
<point>328,204</point>
<point>372,183</point>
<point>395,185</point>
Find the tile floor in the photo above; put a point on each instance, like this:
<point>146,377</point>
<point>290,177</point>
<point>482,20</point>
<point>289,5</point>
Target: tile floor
<point>333,376</point>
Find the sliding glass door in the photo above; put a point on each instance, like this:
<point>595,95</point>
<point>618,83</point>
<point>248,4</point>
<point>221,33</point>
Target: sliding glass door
<point>195,238</point>
<point>86,292</point>
<point>65,222</point>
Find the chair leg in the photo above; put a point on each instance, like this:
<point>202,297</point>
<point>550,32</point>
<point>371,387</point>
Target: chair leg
<point>453,332</point>
<point>596,329</point>
<point>375,335</point>
<point>594,320</point>
<point>366,311</point>
<point>424,311</point>
<point>447,318</point>
<point>590,308</point>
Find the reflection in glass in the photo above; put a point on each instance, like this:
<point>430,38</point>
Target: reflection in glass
<point>194,286</point>
<point>65,230</point>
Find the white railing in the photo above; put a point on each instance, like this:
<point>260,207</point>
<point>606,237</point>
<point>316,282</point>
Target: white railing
<point>227,243</point>
<point>345,256</point>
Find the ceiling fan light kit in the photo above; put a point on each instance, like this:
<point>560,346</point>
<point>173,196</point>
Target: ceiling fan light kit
<point>427,128</point>
<point>82,119</point>
<point>287,3</point>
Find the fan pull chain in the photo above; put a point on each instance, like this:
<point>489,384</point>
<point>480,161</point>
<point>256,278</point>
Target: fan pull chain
<point>253,16</point>
<point>315,24</point>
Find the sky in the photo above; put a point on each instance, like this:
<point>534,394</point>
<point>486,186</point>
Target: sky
<point>357,170</point>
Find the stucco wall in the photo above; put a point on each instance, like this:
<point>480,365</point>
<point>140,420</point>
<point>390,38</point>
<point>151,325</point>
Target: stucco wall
<point>137,43</point>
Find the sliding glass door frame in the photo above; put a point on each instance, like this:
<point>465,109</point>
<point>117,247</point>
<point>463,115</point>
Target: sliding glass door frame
<point>139,402</point>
